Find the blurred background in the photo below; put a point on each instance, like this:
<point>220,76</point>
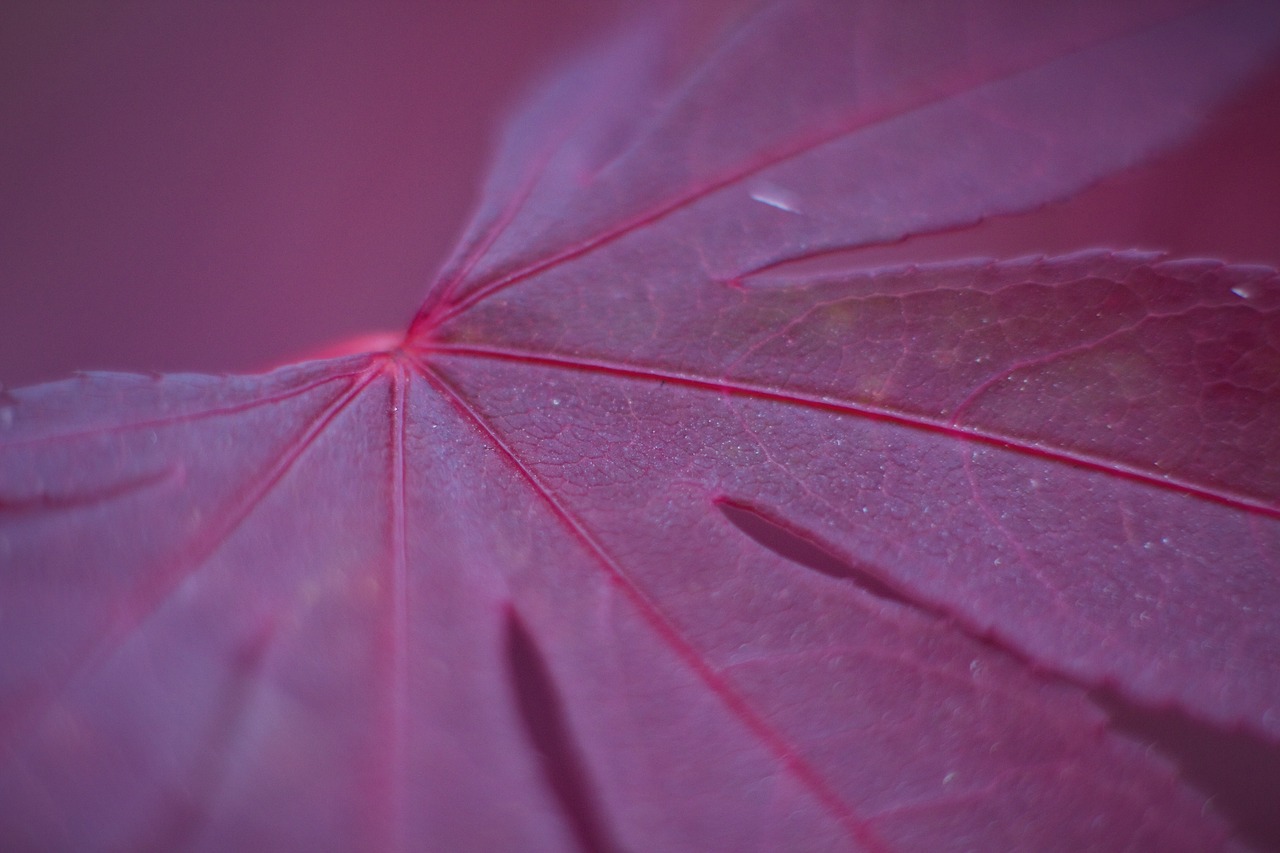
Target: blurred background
<point>228,186</point>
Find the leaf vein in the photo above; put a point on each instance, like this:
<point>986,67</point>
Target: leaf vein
<point>106,643</point>
<point>724,385</point>
<point>783,751</point>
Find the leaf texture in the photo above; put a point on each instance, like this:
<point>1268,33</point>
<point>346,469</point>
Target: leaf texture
<point>649,535</point>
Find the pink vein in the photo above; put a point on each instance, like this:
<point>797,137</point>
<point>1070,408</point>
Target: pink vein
<point>185,566</point>
<point>396,773</point>
<point>185,417</point>
<point>513,207</point>
<point>766,159</point>
<point>722,385</point>
<point>857,828</point>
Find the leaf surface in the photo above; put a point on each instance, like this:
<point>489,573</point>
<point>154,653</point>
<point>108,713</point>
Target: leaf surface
<point>650,534</point>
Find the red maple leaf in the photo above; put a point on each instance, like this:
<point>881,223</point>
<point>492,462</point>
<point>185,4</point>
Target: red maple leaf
<point>672,522</point>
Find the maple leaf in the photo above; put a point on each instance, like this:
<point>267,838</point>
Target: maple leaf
<point>654,532</point>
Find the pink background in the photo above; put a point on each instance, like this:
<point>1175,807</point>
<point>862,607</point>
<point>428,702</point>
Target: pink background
<point>225,186</point>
